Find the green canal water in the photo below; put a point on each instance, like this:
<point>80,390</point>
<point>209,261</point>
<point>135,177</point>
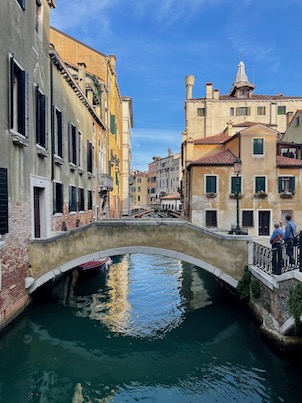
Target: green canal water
<point>152,329</point>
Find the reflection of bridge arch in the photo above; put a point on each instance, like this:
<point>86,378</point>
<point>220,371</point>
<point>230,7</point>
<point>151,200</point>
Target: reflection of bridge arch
<point>222,255</point>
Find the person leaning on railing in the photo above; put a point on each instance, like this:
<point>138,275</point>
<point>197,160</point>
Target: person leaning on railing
<point>277,235</point>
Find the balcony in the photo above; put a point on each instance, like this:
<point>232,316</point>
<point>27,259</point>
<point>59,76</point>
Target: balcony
<point>105,183</point>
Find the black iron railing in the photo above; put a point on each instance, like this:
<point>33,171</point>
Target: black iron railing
<point>285,256</point>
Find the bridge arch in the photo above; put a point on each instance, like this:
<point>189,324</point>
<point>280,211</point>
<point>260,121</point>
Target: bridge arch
<point>224,256</point>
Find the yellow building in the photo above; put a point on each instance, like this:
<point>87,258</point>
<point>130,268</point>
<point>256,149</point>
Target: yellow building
<point>209,115</point>
<point>139,190</point>
<point>269,184</point>
<point>102,67</point>
<point>241,125</point>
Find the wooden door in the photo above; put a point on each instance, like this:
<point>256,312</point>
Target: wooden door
<point>264,223</point>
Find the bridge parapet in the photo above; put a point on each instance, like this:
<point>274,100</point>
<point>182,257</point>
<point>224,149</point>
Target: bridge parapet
<point>225,256</point>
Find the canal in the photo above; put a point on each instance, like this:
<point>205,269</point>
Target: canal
<point>151,329</point>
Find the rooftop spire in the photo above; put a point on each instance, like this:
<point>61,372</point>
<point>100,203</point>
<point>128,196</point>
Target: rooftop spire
<point>241,83</point>
<point>241,76</point>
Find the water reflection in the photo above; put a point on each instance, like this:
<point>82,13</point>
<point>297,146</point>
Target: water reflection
<point>151,329</point>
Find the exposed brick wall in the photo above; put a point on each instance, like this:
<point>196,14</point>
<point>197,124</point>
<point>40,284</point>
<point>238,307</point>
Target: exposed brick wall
<point>67,221</point>
<point>14,262</point>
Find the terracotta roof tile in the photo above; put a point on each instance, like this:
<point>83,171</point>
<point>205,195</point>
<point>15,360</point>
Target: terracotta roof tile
<point>171,197</point>
<point>222,158</point>
<point>288,162</point>
<point>217,139</point>
<point>249,124</point>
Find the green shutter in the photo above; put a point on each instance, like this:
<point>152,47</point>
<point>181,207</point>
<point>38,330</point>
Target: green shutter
<point>211,184</point>
<point>280,184</point>
<point>292,184</point>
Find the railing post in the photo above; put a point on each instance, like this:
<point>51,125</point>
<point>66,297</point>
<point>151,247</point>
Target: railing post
<point>299,250</point>
<point>277,261</point>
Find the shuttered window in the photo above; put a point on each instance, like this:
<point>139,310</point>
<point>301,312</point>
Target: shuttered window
<point>3,202</point>
<point>243,111</point>
<point>18,99</point>
<point>211,184</point>
<point>234,184</point>
<point>57,197</point>
<point>112,124</point>
<point>81,205</point>
<point>41,119</point>
<point>89,200</point>
<point>58,132</point>
<point>286,184</point>
<point>89,156</point>
<point>72,143</point>
<point>72,198</point>
<point>260,184</point>
<point>211,218</point>
<point>258,146</point>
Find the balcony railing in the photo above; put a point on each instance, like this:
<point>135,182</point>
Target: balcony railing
<point>105,183</point>
<point>284,257</point>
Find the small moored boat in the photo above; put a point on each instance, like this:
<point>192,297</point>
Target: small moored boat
<point>95,266</point>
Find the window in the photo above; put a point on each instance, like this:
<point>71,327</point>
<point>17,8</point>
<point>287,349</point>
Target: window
<point>57,197</point>
<point>243,111</point>
<point>211,184</point>
<point>3,201</point>
<point>297,121</point>
<point>89,200</point>
<point>22,3</point>
<point>139,189</point>
<point>261,110</point>
<point>260,184</point>
<point>72,198</point>
<point>80,154</point>
<point>247,218</point>
<point>258,146</point>
<point>284,213</point>
<point>89,156</point>
<point>112,124</point>
<point>201,112</point>
<point>234,183</point>
<point>211,218</point>
<point>232,111</point>
<point>41,119</point>
<point>58,133</point>
<point>18,99</point>
<point>139,180</point>
<point>289,152</point>
<point>281,110</point>
<point>81,205</point>
<point>138,198</point>
<point>286,184</point>
<point>72,143</point>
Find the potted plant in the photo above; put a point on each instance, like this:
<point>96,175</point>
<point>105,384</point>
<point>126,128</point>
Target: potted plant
<point>211,195</point>
<point>260,195</point>
<point>233,195</point>
<point>287,195</point>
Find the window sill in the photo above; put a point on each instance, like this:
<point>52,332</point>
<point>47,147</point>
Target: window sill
<point>81,171</point>
<point>58,160</point>
<point>90,175</point>
<point>211,195</point>
<point>42,152</point>
<point>18,139</point>
<point>73,167</point>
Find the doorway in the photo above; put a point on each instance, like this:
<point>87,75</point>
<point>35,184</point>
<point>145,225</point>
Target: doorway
<point>264,218</point>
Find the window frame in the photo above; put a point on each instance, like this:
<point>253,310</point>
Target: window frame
<point>58,120</point>
<point>207,186</point>
<point>81,200</point>
<point>58,198</point>
<point>72,143</point>
<point>41,118</point>
<point>281,110</point>
<point>233,184</point>
<point>201,112</point>
<point>260,110</point>
<point>209,219</point>
<point>73,201</point>
<point>255,146</point>
<point>257,188</point>
<point>286,183</point>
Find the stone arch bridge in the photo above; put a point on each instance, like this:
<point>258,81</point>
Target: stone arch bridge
<point>225,256</point>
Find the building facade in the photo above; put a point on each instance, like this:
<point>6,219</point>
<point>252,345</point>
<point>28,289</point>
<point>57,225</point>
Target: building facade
<point>252,128</point>
<point>127,154</point>
<point>139,190</point>
<point>102,67</point>
<point>61,139</point>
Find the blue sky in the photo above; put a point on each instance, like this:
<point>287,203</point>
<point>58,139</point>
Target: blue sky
<point>158,42</point>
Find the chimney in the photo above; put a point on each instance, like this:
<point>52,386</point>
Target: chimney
<point>230,128</point>
<point>169,152</point>
<point>82,76</point>
<point>216,94</point>
<point>209,91</point>
<point>289,118</point>
<point>189,86</point>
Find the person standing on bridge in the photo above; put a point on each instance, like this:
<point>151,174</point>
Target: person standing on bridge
<point>277,235</point>
<point>290,231</point>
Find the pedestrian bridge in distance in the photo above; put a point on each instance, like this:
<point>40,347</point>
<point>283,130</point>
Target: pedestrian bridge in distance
<point>225,256</point>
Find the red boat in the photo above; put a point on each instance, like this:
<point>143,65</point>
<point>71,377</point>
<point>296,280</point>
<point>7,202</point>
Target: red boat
<point>95,266</point>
